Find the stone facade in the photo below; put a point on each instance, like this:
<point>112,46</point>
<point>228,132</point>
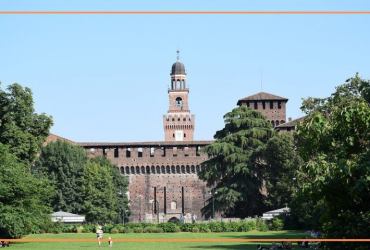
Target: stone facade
<point>165,172</point>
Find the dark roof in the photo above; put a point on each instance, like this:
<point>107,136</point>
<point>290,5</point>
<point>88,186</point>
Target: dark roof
<point>178,68</point>
<point>291,124</point>
<point>144,144</point>
<point>262,96</point>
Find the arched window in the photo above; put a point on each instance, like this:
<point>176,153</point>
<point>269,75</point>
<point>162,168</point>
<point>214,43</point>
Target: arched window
<point>277,123</point>
<point>127,170</point>
<point>179,102</point>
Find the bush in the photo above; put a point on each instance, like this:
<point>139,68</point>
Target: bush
<point>215,227</point>
<point>261,225</point>
<point>153,229</point>
<point>277,224</point>
<point>186,227</point>
<point>231,227</point>
<point>128,230</point>
<point>195,230</point>
<point>138,230</point>
<point>203,228</point>
<point>114,230</point>
<point>247,225</point>
<point>169,227</point>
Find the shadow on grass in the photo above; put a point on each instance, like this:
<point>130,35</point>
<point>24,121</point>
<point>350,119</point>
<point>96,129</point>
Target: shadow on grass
<point>226,247</point>
<point>282,235</point>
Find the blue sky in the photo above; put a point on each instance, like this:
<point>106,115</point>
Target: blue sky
<point>105,78</point>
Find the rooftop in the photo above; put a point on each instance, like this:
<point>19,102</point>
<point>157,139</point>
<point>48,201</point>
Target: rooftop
<point>262,96</point>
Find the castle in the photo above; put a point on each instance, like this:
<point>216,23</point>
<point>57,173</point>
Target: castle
<point>163,180</point>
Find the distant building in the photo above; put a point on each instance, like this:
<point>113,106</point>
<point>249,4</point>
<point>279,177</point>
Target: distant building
<point>163,175</point>
<point>65,217</point>
<point>273,107</point>
<point>289,126</point>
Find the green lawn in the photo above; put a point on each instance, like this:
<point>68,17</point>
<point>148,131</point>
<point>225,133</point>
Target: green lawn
<point>156,245</point>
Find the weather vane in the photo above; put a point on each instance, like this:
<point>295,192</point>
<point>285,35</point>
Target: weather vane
<point>178,54</point>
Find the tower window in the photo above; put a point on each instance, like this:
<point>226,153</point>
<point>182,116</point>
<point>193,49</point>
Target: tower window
<point>255,105</point>
<point>116,153</point>
<point>279,104</point>
<point>128,153</point>
<point>248,104</point>
<point>151,152</point>
<point>271,104</point>
<point>163,151</point>
<point>197,151</point>
<point>140,152</point>
<point>179,102</point>
<point>263,105</point>
<point>175,151</point>
<point>184,135</point>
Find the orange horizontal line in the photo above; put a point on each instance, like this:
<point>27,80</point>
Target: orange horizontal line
<point>182,240</point>
<point>133,12</point>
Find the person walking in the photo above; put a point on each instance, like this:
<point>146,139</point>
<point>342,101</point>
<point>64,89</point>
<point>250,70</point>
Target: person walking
<point>99,234</point>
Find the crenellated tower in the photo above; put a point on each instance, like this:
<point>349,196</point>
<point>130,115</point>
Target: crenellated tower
<point>178,122</point>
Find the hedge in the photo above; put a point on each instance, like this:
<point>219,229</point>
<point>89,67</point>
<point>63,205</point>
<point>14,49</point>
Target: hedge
<point>169,227</point>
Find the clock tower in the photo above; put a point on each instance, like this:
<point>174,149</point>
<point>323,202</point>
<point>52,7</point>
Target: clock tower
<point>178,123</point>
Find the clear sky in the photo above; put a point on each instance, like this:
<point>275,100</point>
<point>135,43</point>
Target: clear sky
<point>105,78</point>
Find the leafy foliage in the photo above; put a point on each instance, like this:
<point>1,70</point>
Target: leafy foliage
<point>334,141</point>
<point>282,163</point>
<point>234,167</point>
<point>93,187</point>
<point>63,163</point>
<point>23,198</point>
<point>20,127</point>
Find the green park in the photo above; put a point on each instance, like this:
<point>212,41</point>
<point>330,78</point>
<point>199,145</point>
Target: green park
<point>321,171</point>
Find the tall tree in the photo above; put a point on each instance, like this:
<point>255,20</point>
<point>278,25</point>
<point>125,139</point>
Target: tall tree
<point>120,185</point>
<point>63,163</point>
<point>235,163</point>
<point>23,197</point>
<point>282,162</point>
<point>99,193</point>
<point>20,127</point>
<point>334,141</point>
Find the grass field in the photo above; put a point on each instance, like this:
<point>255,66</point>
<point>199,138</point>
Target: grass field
<point>184,241</point>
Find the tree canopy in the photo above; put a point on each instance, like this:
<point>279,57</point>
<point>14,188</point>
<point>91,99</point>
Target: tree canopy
<point>235,163</point>
<point>334,142</point>
<point>24,198</point>
<point>92,187</point>
<point>20,127</point>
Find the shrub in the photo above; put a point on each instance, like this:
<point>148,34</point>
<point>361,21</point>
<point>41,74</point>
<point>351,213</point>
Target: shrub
<point>186,227</point>
<point>277,224</point>
<point>107,227</point>
<point>128,230</point>
<point>215,227</point>
<point>169,227</point>
<point>114,230</point>
<point>231,227</point>
<point>203,228</point>
<point>261,225</point>
<point>195,230</point>
<point>153,229</point>
<point>247,225</point>
<point>138,230</point>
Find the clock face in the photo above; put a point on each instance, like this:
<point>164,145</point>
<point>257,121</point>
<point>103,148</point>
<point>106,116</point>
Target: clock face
<point>179,135</point>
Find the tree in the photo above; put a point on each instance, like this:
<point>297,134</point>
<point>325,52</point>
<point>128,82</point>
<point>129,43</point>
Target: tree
<point>234,168</point>
<point>93,187</point>
<point>63,163</point>
<point>282,162</point>
<point>99,193</point>
<point>23,197</point>
<point>120,185</point>
<point>20,127</point>
<point>334,142</point>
